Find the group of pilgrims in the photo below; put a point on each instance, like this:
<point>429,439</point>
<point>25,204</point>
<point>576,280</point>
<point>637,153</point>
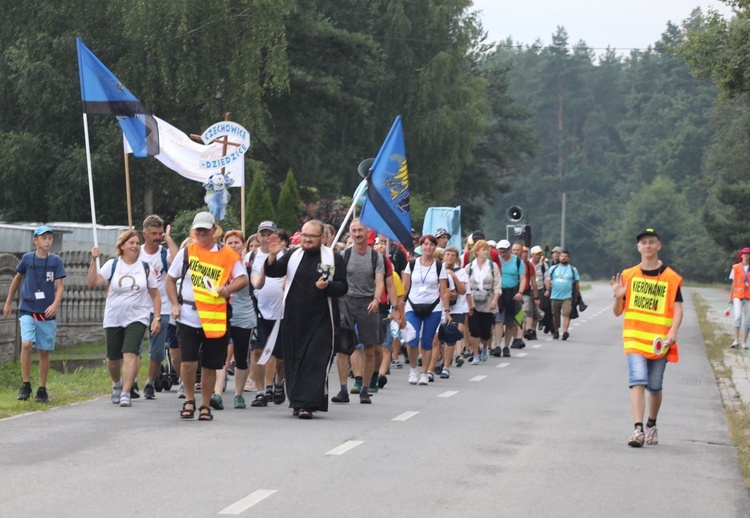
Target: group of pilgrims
<point>277,311</point>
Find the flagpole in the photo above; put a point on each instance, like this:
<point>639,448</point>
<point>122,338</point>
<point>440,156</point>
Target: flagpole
<point>91,183</point>
<point>242,204</point>
<point>360,188</point>
<point>127,187</point>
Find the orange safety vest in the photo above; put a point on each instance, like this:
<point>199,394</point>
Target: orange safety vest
<point>740,286</point>
<point>649,311</point>
<point>209,271</point>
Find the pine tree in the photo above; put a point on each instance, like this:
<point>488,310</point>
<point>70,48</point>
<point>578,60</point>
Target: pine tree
<point>259,205</point>
<point>289,208</point>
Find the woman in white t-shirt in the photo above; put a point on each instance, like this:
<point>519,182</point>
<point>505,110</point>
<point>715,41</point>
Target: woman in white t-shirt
<point>427,298</point>
<point>132,297</point>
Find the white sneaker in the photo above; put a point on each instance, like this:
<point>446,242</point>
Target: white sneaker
<point>744,346</point>
<point>116,394</point>
<point>125,400</point>
<point>652,437</point>
<point>413,378</point>
<point>181,391</point>
<point>424,380</point>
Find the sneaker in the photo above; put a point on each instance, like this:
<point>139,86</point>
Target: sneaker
<point>239,402</point>
<point>279,396</point>
<point>413,378</point>
<point>149,392</point>
<point>533,335</point>
<point>419,360</point>
<point>556,335</point>
<point>566,335</point>
<point>341,397</point>
<point>445,374</point>
<point>396,364</point>
<point>382,380</point>
<point>485,354</point>
<point>230,369</point>
<point>25,392</point>
<point>41,395</point>
<point>744,346</point>
<point>125,400</point>
<point>364,398</point>
<point>181,391</point>
<point>250,385</point>
<point>506,352</point>
<point>424,379</point>
<point>372,389</point>
<point>357,388</point>
<point>652,436</point>
<point>515,344</point>
<point>475,360</point>
<point>216,402</point>
<point>134,394</point>
<point>459,361</point>
<point>260,400</point>
<point>116,395</point>
<point>430,376</point>
<point>637,439</point>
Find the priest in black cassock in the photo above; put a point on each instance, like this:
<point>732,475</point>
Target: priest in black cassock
<point>314,274</point>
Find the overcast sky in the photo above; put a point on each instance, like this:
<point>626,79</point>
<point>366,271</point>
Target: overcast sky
<point>622,25</point>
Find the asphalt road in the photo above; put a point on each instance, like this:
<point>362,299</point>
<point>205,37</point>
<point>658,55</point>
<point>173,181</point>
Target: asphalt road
<point>540,434</point>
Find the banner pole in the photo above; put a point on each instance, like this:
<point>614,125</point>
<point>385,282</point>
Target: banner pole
<point>91,183</point>
<point>357,193</point>
<point>127,188</point>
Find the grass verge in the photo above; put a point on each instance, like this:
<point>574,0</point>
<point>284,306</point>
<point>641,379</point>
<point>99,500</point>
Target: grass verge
<point>79,384</point>
<point>738,416</point>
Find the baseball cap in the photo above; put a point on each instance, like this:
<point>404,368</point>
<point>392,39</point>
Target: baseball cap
<point>442,232</point>
<point>745,250</point>
<point>371,237</point>
<point>43,229</point>
<point>492,243</point>
<point>503,243</point>
<point>203,220</point>
<point>557,249</point>
<point>267,225</point>
<point>535,250</point>
<point>646,232</point>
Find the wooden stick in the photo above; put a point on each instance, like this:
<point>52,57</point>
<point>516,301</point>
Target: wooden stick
<point>127,187</point>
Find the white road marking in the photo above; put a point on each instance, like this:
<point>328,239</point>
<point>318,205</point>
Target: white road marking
<point>548,339</point>
<point>576,324</point>
<point>477,378</point>
<point>502,365</point>
<point>448,393</point>
<point>405,416</point>
<point>521,355</point>
<point>536,346</point>
<point>340,450</point>
<point>246,503</point>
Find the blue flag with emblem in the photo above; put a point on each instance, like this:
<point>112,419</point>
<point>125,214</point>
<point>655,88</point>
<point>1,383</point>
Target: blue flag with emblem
<point>386,207</point>
<point>103,94</point>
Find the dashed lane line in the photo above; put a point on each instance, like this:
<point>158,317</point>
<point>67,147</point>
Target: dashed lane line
<point>478,378</point>
<point>536,346</point>
<point>521,355</point>
<point>340,450</point>
<point>246,503</point>
<point>448,393</point>
<point>502,365</point>
<point>405,416</point>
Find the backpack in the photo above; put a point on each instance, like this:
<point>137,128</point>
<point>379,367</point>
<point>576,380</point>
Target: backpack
<point>373,253</point>
<point>146,267</point>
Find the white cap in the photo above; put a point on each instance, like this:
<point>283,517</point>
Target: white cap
<point>503,243</point>
<point>492,243</point>
<point>536,249</point>
<point>203,220</point>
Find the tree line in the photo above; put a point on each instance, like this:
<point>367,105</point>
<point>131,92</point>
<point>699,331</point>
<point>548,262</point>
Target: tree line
<point>647,139</point>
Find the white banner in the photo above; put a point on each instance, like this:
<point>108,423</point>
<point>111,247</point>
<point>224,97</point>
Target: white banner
<point>184,156</point>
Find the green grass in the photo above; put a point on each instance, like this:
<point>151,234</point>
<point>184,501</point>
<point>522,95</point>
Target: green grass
<point>81,384</point>
<point>738,416</point>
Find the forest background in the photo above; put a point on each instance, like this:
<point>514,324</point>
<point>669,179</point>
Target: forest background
<point>657,137</point>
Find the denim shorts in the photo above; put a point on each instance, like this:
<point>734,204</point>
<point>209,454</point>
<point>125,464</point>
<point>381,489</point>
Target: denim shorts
<point>40,332</point>
<point>642,371</point>
<point>156,342</point>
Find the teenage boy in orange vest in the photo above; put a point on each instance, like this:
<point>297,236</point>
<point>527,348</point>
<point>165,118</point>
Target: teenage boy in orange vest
<point>649,295</point>
<point>740,297</point>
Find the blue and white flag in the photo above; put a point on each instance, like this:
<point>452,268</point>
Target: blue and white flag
<point>448,218</point>
<point>103,94</point>
<point>386,208</point>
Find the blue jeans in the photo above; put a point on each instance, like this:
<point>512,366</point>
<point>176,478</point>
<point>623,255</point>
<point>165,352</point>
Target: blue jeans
<point>427,332</point>
<point>642,371</point>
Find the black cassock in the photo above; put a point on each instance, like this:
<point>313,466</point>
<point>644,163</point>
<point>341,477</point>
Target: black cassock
<point>306,332</point>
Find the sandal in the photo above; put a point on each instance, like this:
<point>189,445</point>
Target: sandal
<point>304,414</point>
<point>205,416</point>
<point>188,413</point>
